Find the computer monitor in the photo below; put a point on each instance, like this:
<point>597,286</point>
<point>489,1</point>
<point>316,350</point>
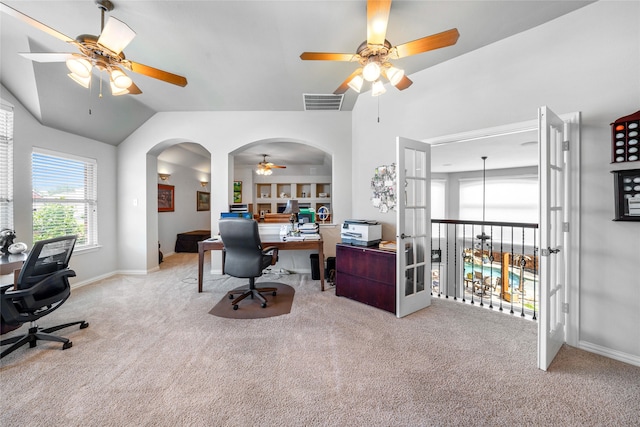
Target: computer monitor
<point>306,215</point>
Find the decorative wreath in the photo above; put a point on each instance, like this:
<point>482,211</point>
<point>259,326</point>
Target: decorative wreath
<point>383,185</point>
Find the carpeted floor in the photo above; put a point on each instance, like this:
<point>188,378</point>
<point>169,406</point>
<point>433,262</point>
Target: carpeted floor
<point>154,356</point>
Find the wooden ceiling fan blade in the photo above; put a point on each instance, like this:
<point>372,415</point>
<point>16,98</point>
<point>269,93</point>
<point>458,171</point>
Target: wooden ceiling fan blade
<point>157,74</point>
<point>432,42</point>
<point>133,89</point>
<point>345,84</point>
<point>278,167</point>
<point>116,35</point>
<point>325,56</point>
<point>34,23</point>
<point>404,83</point>
<point>377,20</point>
<point>46,56</point>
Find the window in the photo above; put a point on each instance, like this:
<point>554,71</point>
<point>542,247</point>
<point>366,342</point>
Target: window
<point>438,198</point>
<point>64,197</point>
<point>6,167</point>
<point>507,199</point>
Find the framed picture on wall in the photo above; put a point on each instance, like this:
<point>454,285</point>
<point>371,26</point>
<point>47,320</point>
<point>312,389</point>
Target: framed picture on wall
<point>165,198</point>
<point>237,191</point>
<point>203,201</point>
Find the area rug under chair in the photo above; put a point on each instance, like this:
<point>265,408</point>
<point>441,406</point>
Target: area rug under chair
<point>252,309</point>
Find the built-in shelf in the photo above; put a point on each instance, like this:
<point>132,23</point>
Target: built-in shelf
<point>273,197</point>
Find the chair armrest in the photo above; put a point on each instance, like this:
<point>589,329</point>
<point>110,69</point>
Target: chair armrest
<point>32,309</point>
<point>28,293</point>
<point>274,253</point>
<point>4,288</point>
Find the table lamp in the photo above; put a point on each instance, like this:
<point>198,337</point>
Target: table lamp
<point>293,209</point>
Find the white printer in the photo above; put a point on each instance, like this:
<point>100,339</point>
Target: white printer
<point>360,232</point>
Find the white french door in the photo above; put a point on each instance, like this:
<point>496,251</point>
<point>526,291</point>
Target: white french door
<point>413,240</point>
<point>554,233</point>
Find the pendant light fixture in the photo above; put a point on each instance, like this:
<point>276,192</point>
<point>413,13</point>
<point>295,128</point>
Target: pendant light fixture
<point>482,236</point>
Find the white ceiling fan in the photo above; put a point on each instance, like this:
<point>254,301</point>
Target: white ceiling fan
<point>103,53</point>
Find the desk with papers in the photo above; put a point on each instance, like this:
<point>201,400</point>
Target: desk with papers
<point>297,243</point>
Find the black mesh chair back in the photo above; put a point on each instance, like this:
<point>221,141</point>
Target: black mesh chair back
<point>245,257</point>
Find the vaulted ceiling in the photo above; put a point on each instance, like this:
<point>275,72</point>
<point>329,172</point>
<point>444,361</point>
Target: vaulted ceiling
<point>236,55</point>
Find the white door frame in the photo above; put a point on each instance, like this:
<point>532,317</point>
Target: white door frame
<point>574,119</point>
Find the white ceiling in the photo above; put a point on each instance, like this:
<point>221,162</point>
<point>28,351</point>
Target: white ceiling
<point>237,55</point>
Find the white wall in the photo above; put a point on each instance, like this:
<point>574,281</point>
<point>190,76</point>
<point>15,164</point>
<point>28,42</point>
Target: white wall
<point>220,133</point>
<point>587,61</point>
<point>28,133</point>
<point>185,217</point>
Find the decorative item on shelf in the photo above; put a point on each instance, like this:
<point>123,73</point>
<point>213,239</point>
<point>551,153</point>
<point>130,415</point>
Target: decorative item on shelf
<point>323,213</point>
<point>203,201</point>
<point>627,195</point>
<point>164,176</point>
<point>625,137</point>
<point>383,185</point>
<point>237,191</point>
<point>165,198</point>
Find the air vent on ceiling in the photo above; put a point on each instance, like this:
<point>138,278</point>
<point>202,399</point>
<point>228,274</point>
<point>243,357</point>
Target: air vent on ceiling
<point>328,102</point>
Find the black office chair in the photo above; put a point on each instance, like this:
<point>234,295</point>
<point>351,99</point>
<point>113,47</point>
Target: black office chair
<point>244,256</point>
<point>42,287</point>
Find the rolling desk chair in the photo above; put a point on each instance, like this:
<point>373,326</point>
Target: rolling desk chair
<point>244,256</point>
<point>42,287</point>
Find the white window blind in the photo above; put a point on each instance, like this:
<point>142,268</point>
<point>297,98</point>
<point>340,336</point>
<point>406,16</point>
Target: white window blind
<point>438,198</point>
<point>64,197</point>
<point>507,199</point>
<point>6,167</point>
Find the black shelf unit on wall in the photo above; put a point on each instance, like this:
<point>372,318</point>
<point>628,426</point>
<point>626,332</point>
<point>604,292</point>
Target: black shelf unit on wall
<point>625,139</point>
<point>627,194</point>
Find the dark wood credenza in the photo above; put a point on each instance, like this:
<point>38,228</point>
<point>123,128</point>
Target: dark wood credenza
<point>367,275</point>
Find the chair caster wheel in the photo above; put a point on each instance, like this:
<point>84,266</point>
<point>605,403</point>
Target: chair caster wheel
<point>67,345</point>
<point>230,296</point>
<point>235,306</point>
<point>84,325</point>
<point>263,305</point>
<point>274,293</point>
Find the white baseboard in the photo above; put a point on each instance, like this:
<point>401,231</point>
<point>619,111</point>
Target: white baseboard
<point>92,280</point>
<point>612,354</point>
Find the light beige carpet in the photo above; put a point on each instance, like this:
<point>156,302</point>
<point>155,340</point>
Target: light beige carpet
<point>153,356</point>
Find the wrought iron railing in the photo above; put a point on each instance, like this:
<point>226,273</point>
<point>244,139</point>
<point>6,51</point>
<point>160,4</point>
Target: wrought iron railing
<point>492,264</point>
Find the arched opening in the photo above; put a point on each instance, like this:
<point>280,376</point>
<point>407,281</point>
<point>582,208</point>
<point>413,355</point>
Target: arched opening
<point>183,174</point>
<point>294,170</point>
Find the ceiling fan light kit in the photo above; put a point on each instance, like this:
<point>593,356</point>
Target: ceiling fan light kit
<point>265,168</point>
<point>373,53</point>
<point>103,53</point>
<point>377,88</point>
<point>82,81</point>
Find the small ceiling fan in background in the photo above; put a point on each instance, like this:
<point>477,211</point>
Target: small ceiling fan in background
<point>375,52</point>
<point>105,53</point>
<point>264,167</point>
